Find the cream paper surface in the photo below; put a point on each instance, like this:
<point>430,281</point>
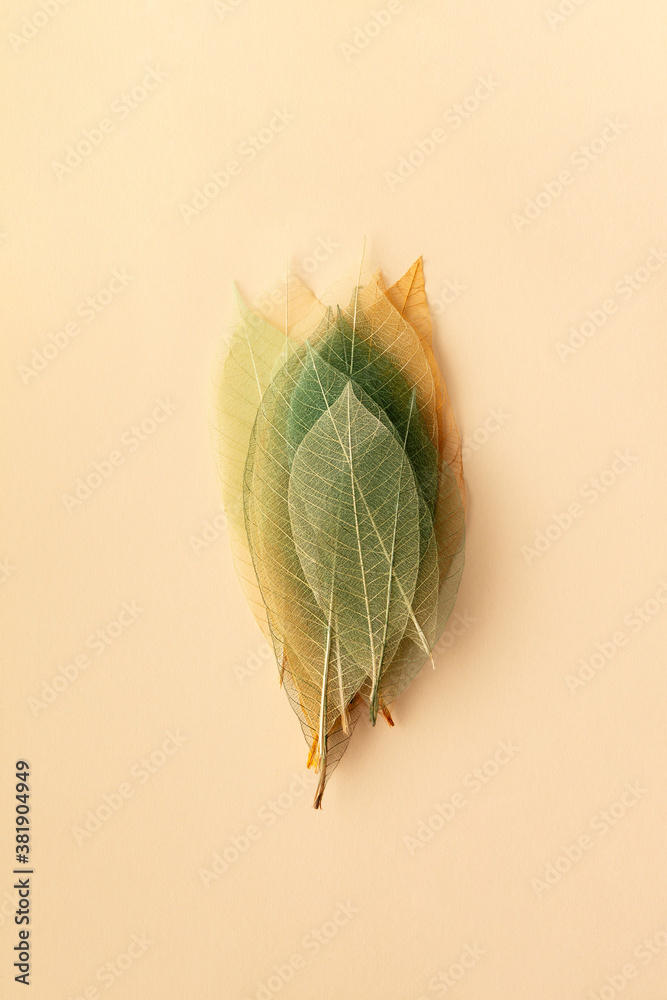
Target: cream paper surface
<point>506,838</point>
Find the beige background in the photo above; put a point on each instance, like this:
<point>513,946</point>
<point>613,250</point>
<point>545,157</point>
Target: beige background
<point>539,430</point>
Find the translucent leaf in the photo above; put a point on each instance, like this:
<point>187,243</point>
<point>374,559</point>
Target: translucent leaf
<point>349,483</point>
<point>242,379</point>
<point>341,476</point>
<point>408,296</point>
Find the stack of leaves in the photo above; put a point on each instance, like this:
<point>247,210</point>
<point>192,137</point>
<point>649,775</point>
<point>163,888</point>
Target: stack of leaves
<point>340,469</point>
